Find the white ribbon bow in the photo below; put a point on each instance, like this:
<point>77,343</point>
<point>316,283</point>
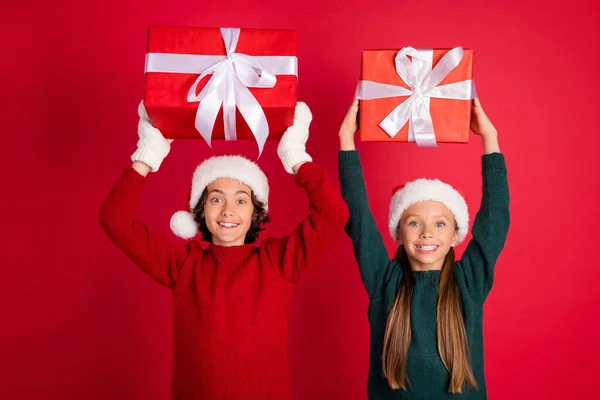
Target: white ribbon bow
<point>232,75</point>
<point>423,81</point>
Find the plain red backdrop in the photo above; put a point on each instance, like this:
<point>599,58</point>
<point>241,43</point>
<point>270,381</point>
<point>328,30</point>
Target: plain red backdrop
<point>80,321</point>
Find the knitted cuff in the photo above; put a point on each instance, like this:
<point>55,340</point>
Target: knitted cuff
<point>292,157</point>
<point>148,156</point>
<point>348,159</point>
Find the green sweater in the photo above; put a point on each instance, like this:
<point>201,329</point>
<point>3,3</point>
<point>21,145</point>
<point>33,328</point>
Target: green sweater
<point>427,376</point>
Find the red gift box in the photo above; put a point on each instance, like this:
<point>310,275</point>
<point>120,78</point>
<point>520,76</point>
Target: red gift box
<point>450,117</point>
<point>166,92</point>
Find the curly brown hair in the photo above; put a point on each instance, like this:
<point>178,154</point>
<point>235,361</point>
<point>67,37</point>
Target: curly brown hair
<point>259,217</point>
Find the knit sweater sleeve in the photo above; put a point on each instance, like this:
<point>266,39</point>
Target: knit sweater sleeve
<point>310,241</point>
<point>369,248</point>
<point>476,268</point>
<point>160,258</point>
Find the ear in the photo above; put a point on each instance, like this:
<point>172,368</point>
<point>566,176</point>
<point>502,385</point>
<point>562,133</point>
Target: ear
<point>454,238</point>
<point>398,236</point>
<point>256,215</point>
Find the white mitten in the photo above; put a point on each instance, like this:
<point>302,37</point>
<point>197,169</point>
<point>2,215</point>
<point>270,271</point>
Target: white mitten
<point>152,146</point>
<point>292,146</point>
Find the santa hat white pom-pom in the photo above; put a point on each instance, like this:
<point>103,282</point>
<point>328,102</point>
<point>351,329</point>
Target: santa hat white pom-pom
<point>184,225</point>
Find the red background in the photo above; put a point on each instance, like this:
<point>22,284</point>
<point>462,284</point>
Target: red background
<point>80,321</point>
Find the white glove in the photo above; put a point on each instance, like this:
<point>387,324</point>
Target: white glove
<point>292,146</point>
<point>152,146</point>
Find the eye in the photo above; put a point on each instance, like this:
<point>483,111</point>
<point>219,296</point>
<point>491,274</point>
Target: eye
<point>216,200</point>
<point>440,224</point>
<point>413,223</point>
<point>241,201</point>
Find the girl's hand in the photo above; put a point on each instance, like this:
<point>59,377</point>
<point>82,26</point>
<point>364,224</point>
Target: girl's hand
<point>480,123</point>
<point>482,126</point>
<point>349,127</point>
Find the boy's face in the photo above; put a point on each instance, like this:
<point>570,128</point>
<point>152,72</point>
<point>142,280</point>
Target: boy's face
<point>228,211</point>
<point>427,230</point>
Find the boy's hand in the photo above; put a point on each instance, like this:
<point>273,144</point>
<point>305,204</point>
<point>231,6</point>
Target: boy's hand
<point>152,146</point>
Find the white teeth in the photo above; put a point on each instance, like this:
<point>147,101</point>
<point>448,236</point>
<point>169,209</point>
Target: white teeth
<point>228,224</point>
<point>426,248</point>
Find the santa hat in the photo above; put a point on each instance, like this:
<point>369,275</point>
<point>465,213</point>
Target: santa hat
<point>232,167</point>
<point>433,190</point>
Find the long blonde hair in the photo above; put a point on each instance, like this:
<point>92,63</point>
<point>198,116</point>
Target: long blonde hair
<point>451,334</point>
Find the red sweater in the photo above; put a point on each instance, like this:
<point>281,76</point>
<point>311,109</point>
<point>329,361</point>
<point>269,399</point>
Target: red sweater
<point>230,304</point>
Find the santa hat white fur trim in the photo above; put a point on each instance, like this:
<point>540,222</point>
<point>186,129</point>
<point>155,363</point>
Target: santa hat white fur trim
<point>434,190</point>
<point>232,167</point>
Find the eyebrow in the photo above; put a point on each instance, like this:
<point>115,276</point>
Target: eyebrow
<point>223,193</point>
<point>435,216</point>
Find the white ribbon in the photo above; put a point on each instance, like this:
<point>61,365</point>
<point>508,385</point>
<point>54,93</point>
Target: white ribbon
<point>232,75</point>
<point>423,81</point>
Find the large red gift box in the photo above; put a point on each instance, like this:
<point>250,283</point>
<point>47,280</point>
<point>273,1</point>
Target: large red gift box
<point>165,95</point>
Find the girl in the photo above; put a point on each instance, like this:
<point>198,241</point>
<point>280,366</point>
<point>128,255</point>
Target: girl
<point>231,299</point>
<point>425,309</point>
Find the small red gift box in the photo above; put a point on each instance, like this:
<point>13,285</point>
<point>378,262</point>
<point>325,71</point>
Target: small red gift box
<point>416,95</point>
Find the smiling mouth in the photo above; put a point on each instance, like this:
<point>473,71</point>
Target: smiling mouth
<point>427,248</point>
<point>227,224</point>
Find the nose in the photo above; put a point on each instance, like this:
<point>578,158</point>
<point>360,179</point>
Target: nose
<point>226,210</point>
<point>426,234</point>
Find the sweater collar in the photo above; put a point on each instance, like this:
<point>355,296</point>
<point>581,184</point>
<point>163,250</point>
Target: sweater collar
<point>230,252</point>
<point>427,277</point>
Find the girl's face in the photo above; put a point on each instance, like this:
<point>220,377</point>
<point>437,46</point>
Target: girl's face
<point>228,211</point>
<point>427,230</point>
